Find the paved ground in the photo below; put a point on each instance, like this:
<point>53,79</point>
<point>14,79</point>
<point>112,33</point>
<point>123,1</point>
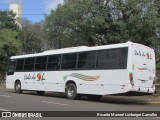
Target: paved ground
<point>29,101</point>
<point>57,102</point>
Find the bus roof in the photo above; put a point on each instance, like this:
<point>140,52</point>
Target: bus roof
<point>74,49</point>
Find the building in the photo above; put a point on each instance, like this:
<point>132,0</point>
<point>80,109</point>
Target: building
<point>16,7</point>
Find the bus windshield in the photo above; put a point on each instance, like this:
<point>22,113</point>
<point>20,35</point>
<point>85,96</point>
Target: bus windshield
<point>11,68</point>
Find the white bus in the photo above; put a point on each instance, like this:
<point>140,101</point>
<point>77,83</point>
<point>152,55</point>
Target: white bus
<point>92,71</point>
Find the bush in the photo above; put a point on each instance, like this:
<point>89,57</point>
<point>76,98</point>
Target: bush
<point>158,89</point>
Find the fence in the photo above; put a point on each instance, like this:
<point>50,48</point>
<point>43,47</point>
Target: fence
<point>2,80</point>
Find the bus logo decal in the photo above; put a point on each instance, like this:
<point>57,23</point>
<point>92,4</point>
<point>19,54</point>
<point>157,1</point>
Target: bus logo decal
<point>139,53</point>
<point>38,77</point>
<point>148,56</point>
<point>82,77</point>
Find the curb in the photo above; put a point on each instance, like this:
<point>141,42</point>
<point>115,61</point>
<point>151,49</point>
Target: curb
<point>155,102</point>
<point>137,100</point>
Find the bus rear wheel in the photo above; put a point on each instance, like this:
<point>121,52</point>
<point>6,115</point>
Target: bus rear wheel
<point>71,91</point>
<point>18,87</point>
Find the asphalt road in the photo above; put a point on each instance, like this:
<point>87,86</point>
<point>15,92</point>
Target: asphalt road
<point>30,101</point>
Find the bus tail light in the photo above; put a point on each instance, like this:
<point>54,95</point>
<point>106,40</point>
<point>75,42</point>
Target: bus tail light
<point>131,79</point>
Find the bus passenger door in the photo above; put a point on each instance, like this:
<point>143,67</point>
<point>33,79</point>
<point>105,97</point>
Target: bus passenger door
<point>10,74</point>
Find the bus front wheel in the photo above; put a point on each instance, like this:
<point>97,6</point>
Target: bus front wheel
<point>71,91</point>
<point>18,87</point>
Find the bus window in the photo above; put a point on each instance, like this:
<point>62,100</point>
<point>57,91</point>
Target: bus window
<point>69,61</point>
<point>19,66</point>
<point>11,68</point>
<point>101,59</point>
<point>29,64</point>
<point>86,60</point>
<point>53,62</point>
<point>122,60</point>
<point>107,59</point>
<point>41,63</point>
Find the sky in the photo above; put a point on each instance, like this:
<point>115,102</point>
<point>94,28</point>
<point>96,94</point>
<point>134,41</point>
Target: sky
<point>34,10</point>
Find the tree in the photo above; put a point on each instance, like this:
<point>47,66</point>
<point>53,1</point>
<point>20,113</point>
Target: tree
<point>7,20</point>
<point>32,37</point>
<point>98,22</point>
<point>71,24</point>
<point>156,43</point>
<point>9,45</point>
<point>138,18</point>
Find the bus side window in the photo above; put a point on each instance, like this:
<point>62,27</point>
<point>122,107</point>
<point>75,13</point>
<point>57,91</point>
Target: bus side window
<point>11,68</point>
<point>86,60</point>
<point>122,58</point>
<point>69,61</point>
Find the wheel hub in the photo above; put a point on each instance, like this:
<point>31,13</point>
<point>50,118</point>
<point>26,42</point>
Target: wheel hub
<point>70,92</point>
<point>18,86</point>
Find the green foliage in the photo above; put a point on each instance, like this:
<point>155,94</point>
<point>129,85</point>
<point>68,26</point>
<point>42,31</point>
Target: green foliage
<point>98,22</point>
<point>32,37</point>
<point>158,66</point>
<point>7,20</point>
<point>9,45</point>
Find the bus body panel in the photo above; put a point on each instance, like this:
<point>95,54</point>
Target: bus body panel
<point>10,80</point>
<point>143,68</point>
<point>99,81</point>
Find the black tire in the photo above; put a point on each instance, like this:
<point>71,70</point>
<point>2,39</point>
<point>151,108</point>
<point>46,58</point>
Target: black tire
<point>17,87</point>
<point>71,91</point>
<point>94,97</point>
<point>40,92</point>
